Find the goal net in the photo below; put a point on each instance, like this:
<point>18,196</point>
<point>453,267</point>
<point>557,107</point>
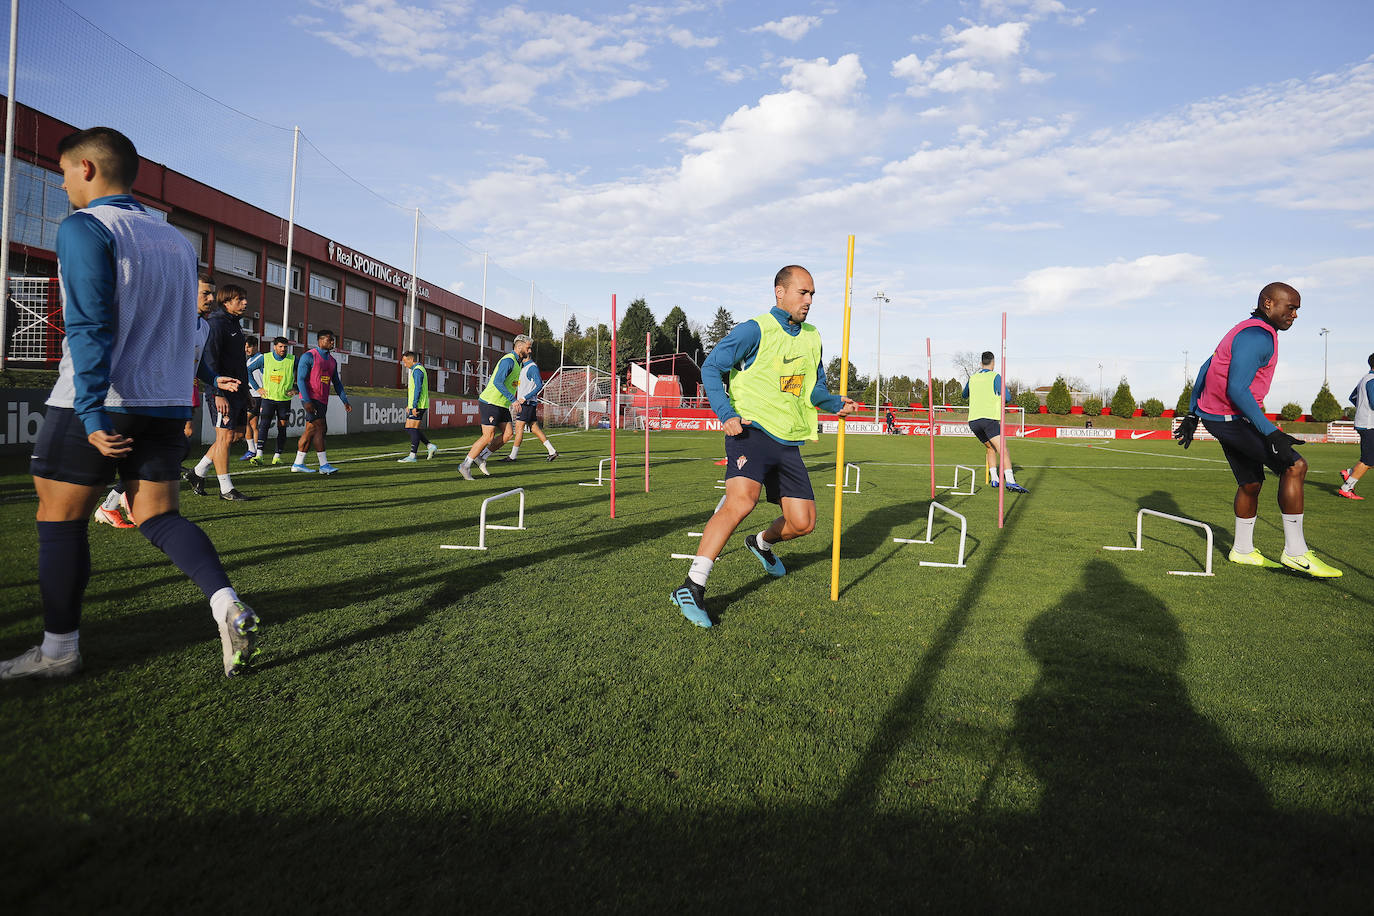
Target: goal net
<point>577,396</point>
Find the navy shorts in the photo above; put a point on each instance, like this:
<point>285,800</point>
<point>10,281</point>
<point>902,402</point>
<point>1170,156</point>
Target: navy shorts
<point>529,413</point>
<point>63,453</point>
<point>1366,445</point>
<point>493,414</point>
<point>254,406</point>
<point>1245,450</point>
<point>758,456</point>
<point>320,416</point>
<point>273,411</point>
<point>236,417</point>
<point>985,429</point>
<point>417,415</point>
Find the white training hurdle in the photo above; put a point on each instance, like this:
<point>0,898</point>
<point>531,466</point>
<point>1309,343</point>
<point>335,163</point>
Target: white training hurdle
<point>857,474</point>
<point>954,487</point>
<point>697,534</point>
<point>1140,544</point>
<point>600,475</point>
<point>930,524</point>
<point>482,525</point>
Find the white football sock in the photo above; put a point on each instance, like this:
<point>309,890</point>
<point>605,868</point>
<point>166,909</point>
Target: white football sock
<point>222,602</point>
<point>324,459</point>
<point>60,645</point>
<point>1294,544</point>
<point>203,467</point>
<point>514,451</point>
<point>111,502</point>
<point>1245,535</point>
<point>992,475</point>
<point>762,540</point>
<point>300,458</point>
<point>225,483</point>
<point>548,446</point>
<point>701,568</point>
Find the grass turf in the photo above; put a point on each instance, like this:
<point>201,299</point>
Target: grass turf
<point>536,726</point>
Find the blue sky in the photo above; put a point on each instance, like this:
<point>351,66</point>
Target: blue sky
<point>1120,179</point>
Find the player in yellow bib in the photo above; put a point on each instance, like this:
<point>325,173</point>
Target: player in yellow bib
<point>777,389</point>
<point>494,404</point>
<point>985,399</point>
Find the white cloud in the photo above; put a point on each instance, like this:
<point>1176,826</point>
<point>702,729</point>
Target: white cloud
<point>1053,289</point>
<point>775,163</point>
<point>395,36</point>
<point>513,57</point>
<point>789,28</point>
<point>684,38</point>
<point>963,76</point>
<point>1029,76</point>
<point>727,74</point>
<point>1023,227</point>
<point>987,44</point>
<point>1036,10</point>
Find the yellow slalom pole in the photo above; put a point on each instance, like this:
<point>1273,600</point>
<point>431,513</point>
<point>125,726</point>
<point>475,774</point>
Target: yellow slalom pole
<point>839,447</point>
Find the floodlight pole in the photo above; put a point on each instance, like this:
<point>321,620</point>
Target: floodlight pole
<point>1325,334</point>
<point>9,173</point>
<point>291,243</point>
<point>880,298</point>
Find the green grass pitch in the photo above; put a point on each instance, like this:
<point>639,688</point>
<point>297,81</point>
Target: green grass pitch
<point>536,727</point>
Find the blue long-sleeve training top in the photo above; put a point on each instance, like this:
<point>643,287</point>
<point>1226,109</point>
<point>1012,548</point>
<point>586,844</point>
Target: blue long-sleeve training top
<point>87,252</point>
<point>1251,349</point>
<point>303,378</point>
<point>996,384</point>
<point>737,350</point>
<point>530,375</point>
<point>503,370</point>
<point>1368,393</point>
<point>417,373</point>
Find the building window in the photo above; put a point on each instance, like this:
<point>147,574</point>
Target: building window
<point>451,327</point>
<point>235,259</point>
<point>355,346</point>
<point>386,307</point>
<point>197,240</point>
<point>434,322</point>
<point>431,362</point>
<point>381,351</point>
<point>451,365</point>
<point>39,205</point>
<point>276,274</point>
<point>324,288</point>
<point>356,298</point>
<point>469,333</point>
<point>270,330</point>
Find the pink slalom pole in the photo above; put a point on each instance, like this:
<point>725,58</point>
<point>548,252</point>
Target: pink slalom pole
<point>646,411</point>
<point>1002,425</point>
<point>615,402</point>
<point>930,417</point>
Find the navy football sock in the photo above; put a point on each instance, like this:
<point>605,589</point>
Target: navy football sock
<point>188,548</point>
<point>64,568</point>
<point>414,440</point>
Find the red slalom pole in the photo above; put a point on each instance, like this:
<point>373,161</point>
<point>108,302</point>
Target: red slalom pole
<point>1002,424</point>
<point>930,417</point>
<point>647,383</point>
<point>615,402</point>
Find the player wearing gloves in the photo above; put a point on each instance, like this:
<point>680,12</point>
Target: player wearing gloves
<point>1228,398</point>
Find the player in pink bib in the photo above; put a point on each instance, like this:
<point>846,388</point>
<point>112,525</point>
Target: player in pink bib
<point>1228,398</point>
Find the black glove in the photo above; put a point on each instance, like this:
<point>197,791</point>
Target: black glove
<point>1280,445</point>
<point>1186,428</point>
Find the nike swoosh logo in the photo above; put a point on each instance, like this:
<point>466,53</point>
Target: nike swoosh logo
<point>1140,435</point>
<point>792,360</point>
<point>1299,562</point>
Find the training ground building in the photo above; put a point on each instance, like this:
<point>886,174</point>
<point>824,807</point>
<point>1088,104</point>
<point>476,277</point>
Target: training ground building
<point>362,300</point>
